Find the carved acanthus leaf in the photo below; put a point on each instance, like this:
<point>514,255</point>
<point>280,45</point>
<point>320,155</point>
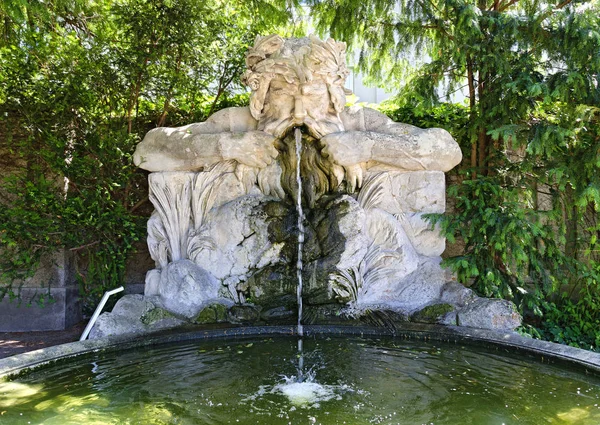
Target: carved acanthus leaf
<point>158,241</point>
<point>203,195</point>
<point>372,192</point>
<point>170,193</point>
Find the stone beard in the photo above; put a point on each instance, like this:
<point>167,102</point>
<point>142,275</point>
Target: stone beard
<point>317,171</point>
<point>299,83</point>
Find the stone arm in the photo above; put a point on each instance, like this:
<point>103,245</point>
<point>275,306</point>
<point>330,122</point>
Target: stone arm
<point>371,138</point>
<point>227,134</point>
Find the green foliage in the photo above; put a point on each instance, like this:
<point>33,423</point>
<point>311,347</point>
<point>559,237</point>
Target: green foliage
<point>575,320</point>
<point>510,250</point>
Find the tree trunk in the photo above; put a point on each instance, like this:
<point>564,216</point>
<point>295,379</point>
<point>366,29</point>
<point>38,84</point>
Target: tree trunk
<point>223,84</point>
<point>571,221</point>
<point>167,104</point>
<point>481,136</point>
<point>135,94</point>
<point>473,115</point>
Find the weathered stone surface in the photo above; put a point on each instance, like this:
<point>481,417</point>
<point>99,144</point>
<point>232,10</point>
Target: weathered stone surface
<point>132,306</point>
<point>277,313</point>
<point>133,315</point>
<point>414,192</point>
<point>158,317</point>
<point>189,148</point>
<point>271,287</point>
<point>325,314</point>
<point>152,283</point>
<point>545,199</point>
<point>54,271</point>
<point>186,288</point>
<point>243,314</point>
<point>339,232</point>
<point>420,288</point>
<point>224,193</point>
<point>456,294</point>
<point>449,319</point>
<point>396,257</point>
<point>109,324</point>
<point>63,312</point>
<point>236,239</point>
<point>416,150</point>
<point>423,236</point>
<point>53,280</point>
<point>434,313</point>
<point>487,313</point>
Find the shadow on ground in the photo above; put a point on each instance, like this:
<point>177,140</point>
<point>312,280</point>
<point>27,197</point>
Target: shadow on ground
<point>12,343</point>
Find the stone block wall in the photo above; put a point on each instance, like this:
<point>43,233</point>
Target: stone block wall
<point>54,277</point>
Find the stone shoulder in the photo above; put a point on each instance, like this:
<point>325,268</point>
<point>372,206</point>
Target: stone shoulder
<point>359,118</point>
<point>234,119</point>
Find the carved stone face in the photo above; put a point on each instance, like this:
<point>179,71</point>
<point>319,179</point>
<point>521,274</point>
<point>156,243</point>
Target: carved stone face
<point>288,105</point>
<point>296,83</point>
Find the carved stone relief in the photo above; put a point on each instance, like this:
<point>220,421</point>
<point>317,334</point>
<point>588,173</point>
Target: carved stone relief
<point>225,226</point>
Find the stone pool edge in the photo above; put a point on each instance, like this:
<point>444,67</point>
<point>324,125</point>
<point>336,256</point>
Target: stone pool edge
<point>510,342</point>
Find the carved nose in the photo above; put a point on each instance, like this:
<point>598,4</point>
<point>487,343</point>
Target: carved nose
<point>299,111</point>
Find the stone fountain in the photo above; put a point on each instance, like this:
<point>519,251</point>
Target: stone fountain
<point>224,233</point>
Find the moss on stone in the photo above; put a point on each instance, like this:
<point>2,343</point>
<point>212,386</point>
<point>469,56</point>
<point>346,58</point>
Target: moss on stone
<point>214,313</point>
<point>220,312</point>
<point>432,313</point>
<point>243,314</point>
<point>206,316</point>
<point>272,286</point>
<point>155,315</point>
<point>276,209</point>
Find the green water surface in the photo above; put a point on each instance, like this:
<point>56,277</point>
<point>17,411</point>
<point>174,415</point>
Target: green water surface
<point>369,381</point>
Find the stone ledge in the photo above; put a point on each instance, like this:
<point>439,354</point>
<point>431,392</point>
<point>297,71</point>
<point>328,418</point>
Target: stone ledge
<point>546,352</point>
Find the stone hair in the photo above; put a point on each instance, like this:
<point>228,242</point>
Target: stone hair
<point>297,60</point>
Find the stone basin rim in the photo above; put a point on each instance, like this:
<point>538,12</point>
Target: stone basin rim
<point>542,351</point>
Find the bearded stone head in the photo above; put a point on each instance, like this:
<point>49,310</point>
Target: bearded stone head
<point>297,82</point>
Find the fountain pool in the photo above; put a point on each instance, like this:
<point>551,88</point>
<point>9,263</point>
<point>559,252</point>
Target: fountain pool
<point>349,380</point>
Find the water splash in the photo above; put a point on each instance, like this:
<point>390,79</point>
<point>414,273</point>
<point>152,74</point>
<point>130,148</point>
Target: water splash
<point>308,394</point>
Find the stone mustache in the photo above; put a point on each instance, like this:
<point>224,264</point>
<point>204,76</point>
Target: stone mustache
<point>224,228</point>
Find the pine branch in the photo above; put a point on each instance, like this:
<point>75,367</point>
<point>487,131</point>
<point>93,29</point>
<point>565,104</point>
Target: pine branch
<point>138,204</point>
<point>502,7</point>
<point>563,4</point>
<point>79,248</point>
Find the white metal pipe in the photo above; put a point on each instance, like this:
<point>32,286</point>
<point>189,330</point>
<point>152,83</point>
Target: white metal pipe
<point>97,312</point>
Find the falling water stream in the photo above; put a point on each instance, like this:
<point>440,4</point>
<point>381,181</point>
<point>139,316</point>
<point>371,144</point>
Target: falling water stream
<point>298,138</point>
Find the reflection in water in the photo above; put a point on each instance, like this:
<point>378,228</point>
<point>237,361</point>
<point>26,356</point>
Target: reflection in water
<point>358,381</point>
